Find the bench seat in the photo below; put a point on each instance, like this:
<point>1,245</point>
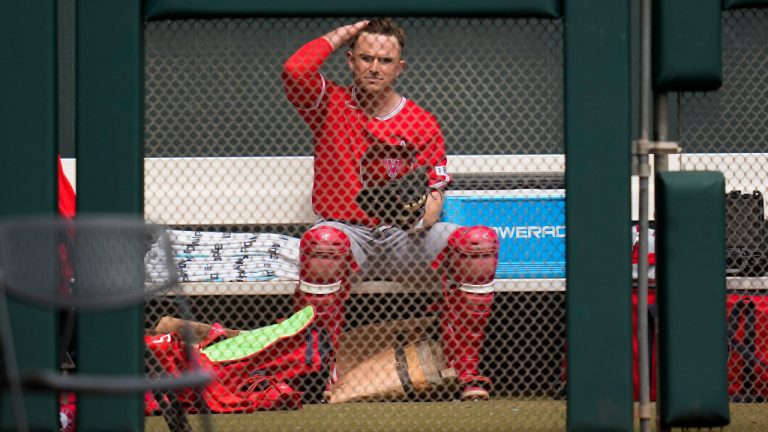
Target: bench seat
<point>279,288</point>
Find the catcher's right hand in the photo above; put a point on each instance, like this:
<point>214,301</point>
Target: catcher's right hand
<point>399,203</point>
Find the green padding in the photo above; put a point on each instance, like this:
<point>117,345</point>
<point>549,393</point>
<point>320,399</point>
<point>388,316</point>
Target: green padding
<point>110,141</point>
<point>736,4</point>
<point>690,270</point>
<point>174,9</point>
<point>686,45</point>
<point>254,341</point>
<point>598,214</point>
<point>28,120</point>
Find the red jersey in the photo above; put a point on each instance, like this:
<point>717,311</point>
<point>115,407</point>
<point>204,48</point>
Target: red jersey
<point>353,150</point>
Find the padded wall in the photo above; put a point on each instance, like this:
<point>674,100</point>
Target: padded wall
<point>693,349</point>
<point>597,134</point>
<point>28,170</point>
<point>109,139</point>
<point>686,45</point>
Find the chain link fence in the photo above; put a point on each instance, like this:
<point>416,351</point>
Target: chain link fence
<point>230,168</point>
<point>727,131</point>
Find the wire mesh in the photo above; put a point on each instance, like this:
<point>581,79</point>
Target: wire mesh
<point>231,167</point>
<point>726,130</point>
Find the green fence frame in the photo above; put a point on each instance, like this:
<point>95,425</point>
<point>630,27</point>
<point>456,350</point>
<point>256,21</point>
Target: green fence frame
<point>597,118</point>
<point>171,9</point>
<point>736,4</point>
<point>598,132</point>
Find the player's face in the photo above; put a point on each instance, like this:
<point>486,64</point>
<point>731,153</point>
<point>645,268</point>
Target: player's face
<point>375,62</point>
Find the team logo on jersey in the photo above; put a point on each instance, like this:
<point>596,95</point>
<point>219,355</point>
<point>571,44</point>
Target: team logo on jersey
<point>393,166</point>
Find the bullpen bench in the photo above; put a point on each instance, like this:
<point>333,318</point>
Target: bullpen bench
<point>276,191</point>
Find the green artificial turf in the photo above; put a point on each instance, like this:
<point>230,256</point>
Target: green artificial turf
<point>495,415</point>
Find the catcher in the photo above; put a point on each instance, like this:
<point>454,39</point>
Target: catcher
<point>379,176</point>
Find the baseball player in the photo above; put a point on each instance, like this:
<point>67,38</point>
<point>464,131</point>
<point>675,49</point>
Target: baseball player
<point>368,137</point>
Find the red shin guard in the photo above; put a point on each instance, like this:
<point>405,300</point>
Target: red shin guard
<point>470,260</point>
<point>463,326</point>
<point>471,255</point>
<point>325,256</point>
<point>329,309</point>
<point>325,263</point>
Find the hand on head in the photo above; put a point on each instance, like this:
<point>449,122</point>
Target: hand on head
<point>340,36</point>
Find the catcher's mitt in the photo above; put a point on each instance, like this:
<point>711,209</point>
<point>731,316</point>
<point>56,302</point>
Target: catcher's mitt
<point>400,203</point>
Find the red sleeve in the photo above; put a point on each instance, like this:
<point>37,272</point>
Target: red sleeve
<point>67,202</point>
<point>433,155</point>
<point>303,83</point>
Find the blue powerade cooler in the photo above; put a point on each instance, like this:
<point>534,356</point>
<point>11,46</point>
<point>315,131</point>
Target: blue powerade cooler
<point>531,229</point>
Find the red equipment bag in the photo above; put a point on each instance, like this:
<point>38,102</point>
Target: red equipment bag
<point>255,370</point>
<point>67,412</point>
<point>256,393</point>
<point>748,347</point>
<point>294,352</point>
<point>67,198</point>
<point>169,354</point>
<point>651,344</point>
